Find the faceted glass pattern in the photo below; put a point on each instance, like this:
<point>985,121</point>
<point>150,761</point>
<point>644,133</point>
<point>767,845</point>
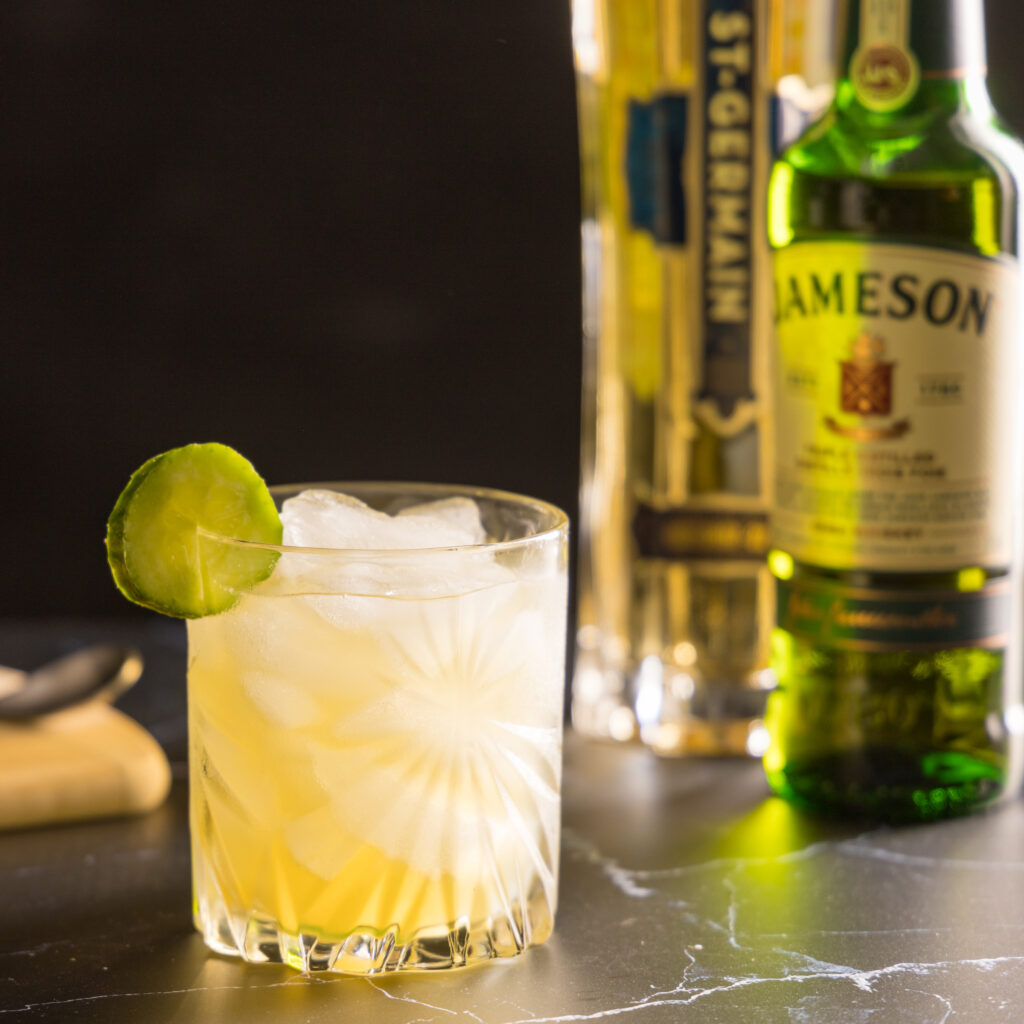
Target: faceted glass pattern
<point>375,747</point>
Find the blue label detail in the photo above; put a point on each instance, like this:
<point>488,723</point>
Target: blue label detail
<point>655,147</point>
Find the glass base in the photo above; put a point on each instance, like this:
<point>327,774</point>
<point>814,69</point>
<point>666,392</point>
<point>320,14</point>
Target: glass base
<point>258,938</point>
<point>675,713</point>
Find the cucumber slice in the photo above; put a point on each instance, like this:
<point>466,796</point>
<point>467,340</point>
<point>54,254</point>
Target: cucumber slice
<point>156,547</point>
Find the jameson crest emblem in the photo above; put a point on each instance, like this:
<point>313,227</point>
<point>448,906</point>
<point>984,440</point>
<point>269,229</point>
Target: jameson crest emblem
<point>883,71</point>
<point>867,379</point>
<point>884,76</point>
<point>865,389</point>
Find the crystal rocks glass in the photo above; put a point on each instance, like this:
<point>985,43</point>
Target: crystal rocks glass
<point>375,746</point>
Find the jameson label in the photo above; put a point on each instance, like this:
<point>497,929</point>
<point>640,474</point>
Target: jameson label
<point>896,379</point>
<point>852,618</point>
<point>692,533</point>
<point>729,82</point>
<point>883,71</point>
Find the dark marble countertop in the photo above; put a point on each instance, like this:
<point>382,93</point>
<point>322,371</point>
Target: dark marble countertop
<point>687,895</point>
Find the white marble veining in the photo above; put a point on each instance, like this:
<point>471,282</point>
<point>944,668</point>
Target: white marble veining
<point>706,977</point>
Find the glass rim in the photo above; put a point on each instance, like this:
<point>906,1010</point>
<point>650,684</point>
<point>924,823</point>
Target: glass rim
<point>560,524</point>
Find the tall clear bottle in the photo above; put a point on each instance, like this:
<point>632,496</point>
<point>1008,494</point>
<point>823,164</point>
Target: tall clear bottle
<point>681,103</point>
<point>895,222</point>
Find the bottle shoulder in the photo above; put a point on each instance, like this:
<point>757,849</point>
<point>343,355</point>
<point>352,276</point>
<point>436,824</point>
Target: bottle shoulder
<point>928,149</point>
<point>953,182</point>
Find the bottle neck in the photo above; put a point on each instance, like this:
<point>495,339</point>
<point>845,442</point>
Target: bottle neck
<point>897,55</point>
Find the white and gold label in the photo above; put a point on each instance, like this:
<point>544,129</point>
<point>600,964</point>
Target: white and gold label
<point>896,384</point>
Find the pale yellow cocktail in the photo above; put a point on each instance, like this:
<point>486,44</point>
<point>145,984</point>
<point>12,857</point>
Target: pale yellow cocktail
<point>376,739</point>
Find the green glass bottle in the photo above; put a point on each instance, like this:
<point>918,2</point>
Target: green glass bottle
<point>894,223</point>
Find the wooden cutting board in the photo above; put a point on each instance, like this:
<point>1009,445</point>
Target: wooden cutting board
<point>88,761</point>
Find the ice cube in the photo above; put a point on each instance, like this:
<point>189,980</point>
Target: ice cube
<point>328,519</point>
<point>230,776</point>
<point>461,514</point>
<point>375,594</point>
<point>283,701</point>
<point>320,843</point>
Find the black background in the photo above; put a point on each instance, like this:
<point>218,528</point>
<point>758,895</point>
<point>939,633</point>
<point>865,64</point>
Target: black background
<point>341,236</point>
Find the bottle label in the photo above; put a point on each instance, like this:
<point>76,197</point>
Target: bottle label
<point>697,153</point>
<point>696,534</point>
<point>655,148</point>
<point>884,72</point>
<point>860,619</point>
<point>896,377</point>
<point>731,43</point>
<point>695,163</point>
<point>658,148</point>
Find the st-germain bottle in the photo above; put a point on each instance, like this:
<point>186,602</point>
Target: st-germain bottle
<point>895,226</point>
<point>682,106</point>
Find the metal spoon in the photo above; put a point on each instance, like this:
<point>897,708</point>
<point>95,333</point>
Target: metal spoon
<point>104,671</point>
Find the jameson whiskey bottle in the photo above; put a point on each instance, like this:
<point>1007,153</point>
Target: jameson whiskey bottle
<point>897,526</point>
<point>681,104</point>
